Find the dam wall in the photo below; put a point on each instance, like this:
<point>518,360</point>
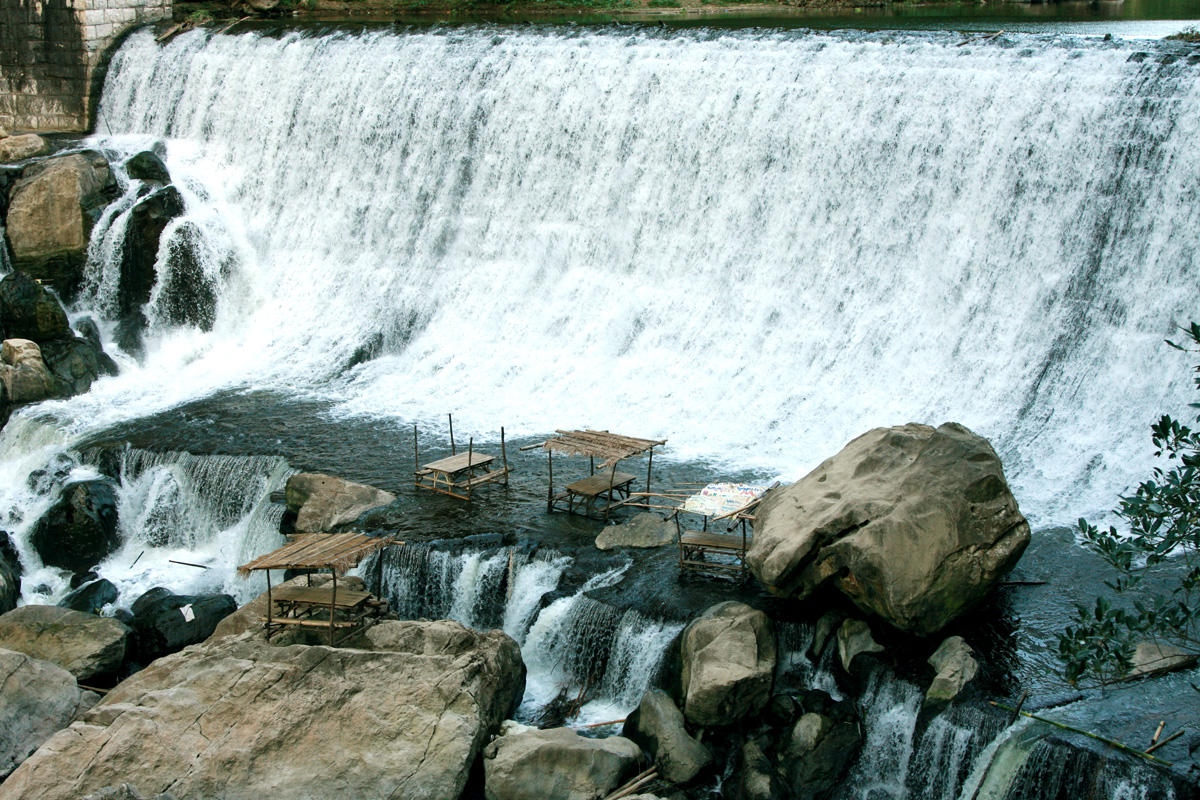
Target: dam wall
<point>53,54</point>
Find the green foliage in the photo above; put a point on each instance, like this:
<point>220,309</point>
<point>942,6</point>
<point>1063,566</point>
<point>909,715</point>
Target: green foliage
<point>201,17</point>
<point>664,4</point>
<point>1163,521</point>
<point>1186,35</point>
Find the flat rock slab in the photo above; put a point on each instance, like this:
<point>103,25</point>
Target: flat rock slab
<point>557,764</point>
<point>83,644</point>
<point>322,502</point>
<point>37,699</point>
<point>644,530</point>
<point>240,719</point>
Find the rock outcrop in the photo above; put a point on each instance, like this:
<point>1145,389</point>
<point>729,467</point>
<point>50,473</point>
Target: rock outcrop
<point>727,664</point>
<point>51,212</point>
<point>80,530</point>
<point>913,524</point>
<point>37,699</point>
<point>644,530</point>
<point>657,727</point>
<point>83,644</point>
<point>241,719</point>
<point>23,373</point>
<point>556,764</point>
<point>322,502</point>
<point>853,639</point>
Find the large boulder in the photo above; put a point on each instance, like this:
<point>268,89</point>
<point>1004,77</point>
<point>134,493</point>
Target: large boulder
<point>37,699</point>
<point>147,166</point>
<point>913,524</point>
<point>23,372</point>
<point>657,727</point>
<point>172,622</point>
<point>817,752</point>
<point>139,250</point>
<point>10,574</point>
<point>727,664</point>
<point>322,502</point>
<point>29,310</point>
<point>83,644</point>
<point>853,639</point>
<point>241,719</point>
<point>18,148</point>
<point>91,597</point>
<point>76,364</point>
<point>80,530</point>
<point>556,764</point>
<point>186,294</point>
<point>51,213</point>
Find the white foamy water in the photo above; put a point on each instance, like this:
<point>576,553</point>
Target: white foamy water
<point>757,245</point>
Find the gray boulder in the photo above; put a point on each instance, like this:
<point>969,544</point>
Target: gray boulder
<point>37,699</point>
<point>80,530</point>
<point>10,574</point>
<point>172,622</point>
<point>956,666</point>
<point>147,166</point>
<point>644,530</point>
<point>727,664</point>
<point>241,719</point>
<point>322,502</point>
<point>853,639</point>
<point>51,212</point>
<point>29,310</point>
<point>657,727</point>
<point>76,363</point>
<point>91,597</point>
<point>913,524</point>
<point>556,764</point>
<point>816,754</point>
<point>83,644</point>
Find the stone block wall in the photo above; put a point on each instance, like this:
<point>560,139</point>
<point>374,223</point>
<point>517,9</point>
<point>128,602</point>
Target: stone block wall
<point>53,54</point>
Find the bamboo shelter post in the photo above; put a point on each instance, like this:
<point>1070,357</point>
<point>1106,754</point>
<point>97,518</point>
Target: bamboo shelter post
<point>504,455</point>
<point>416,450</point>
<point>270,605</point>
<point>470,468</point>
<point>332,606</point>
<point>649,466</point>
<point>453,451</point>
<point>550,493</point>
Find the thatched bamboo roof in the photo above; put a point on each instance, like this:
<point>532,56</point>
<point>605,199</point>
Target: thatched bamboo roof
<point>336,551</point>
<point>610,447</point>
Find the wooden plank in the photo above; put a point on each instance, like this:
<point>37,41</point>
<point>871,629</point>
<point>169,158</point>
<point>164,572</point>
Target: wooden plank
<point>710,565</point>
<point>717,540</point>
<point>460,462</point>
<point>321,595</point>
<point>599,484</point>
<point>309,623</point>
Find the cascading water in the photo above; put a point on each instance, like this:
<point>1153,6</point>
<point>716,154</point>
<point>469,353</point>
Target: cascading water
<point>849,230</point>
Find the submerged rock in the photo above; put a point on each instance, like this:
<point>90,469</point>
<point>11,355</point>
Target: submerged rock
<point>728,663</point>
<point>913,524</point>
<point>85,645</point>
<point>80,530</point>
<point>139,248</point>
<point>322,502</point>
<point>556,764</point>
<point>37,699</point>
<point>644,530</point>
<point>241,719</point>
<point>50,217</point>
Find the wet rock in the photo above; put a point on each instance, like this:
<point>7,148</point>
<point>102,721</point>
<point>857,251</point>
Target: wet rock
<point>146,166</point>
<point>76,364</point>
<point>754,774</point>
<point>170,623</point>
<point>37,699</point>
<point>139,251</point>
<point>18,148</point>
<point>51,212</point>
<point>23,372</point>
<point>727,664</point>
<point>91,597</point>
<point>913,524</point>
<point>240,719</point>
<point>83,644</point>
<point>10,574</point>
<point>644,530</point>
<point>557,764</point>
<point>322,502</point>
<point>854,638</point>
<point>657,727</point>
<point>823,633</point>
<point>817,754</point>
<point>956,667</point>
<point>80,530</point>
<point>187,295</point>
<point>29,310</point>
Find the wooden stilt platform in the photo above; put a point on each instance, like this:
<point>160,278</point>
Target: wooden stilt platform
<point>717,552</point>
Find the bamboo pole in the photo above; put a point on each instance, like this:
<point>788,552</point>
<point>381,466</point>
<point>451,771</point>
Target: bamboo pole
<point>649,466</point>
<point>270,605</point>
<point>470,467</point>
<point>1110,742</point>
<point>1157,733</point>
<point>504,455</point>
<point>185,563</point>
<point>453,451</point>
<point>1170,738</point>
<point>550,494</point>
<point>416,450</point>
<point>332,606</point>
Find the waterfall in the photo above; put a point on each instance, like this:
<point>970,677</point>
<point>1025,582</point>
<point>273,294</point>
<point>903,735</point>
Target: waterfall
<point>763,242</point>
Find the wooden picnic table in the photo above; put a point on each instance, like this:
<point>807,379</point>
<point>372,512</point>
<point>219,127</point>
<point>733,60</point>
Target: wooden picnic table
<point>586,495</point>
<point>459,474</point>
<point>298,605</point>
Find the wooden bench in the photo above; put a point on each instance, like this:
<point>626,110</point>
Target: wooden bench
<point>595,495</point>
<point>696,546</point>
<point>456,475</point>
